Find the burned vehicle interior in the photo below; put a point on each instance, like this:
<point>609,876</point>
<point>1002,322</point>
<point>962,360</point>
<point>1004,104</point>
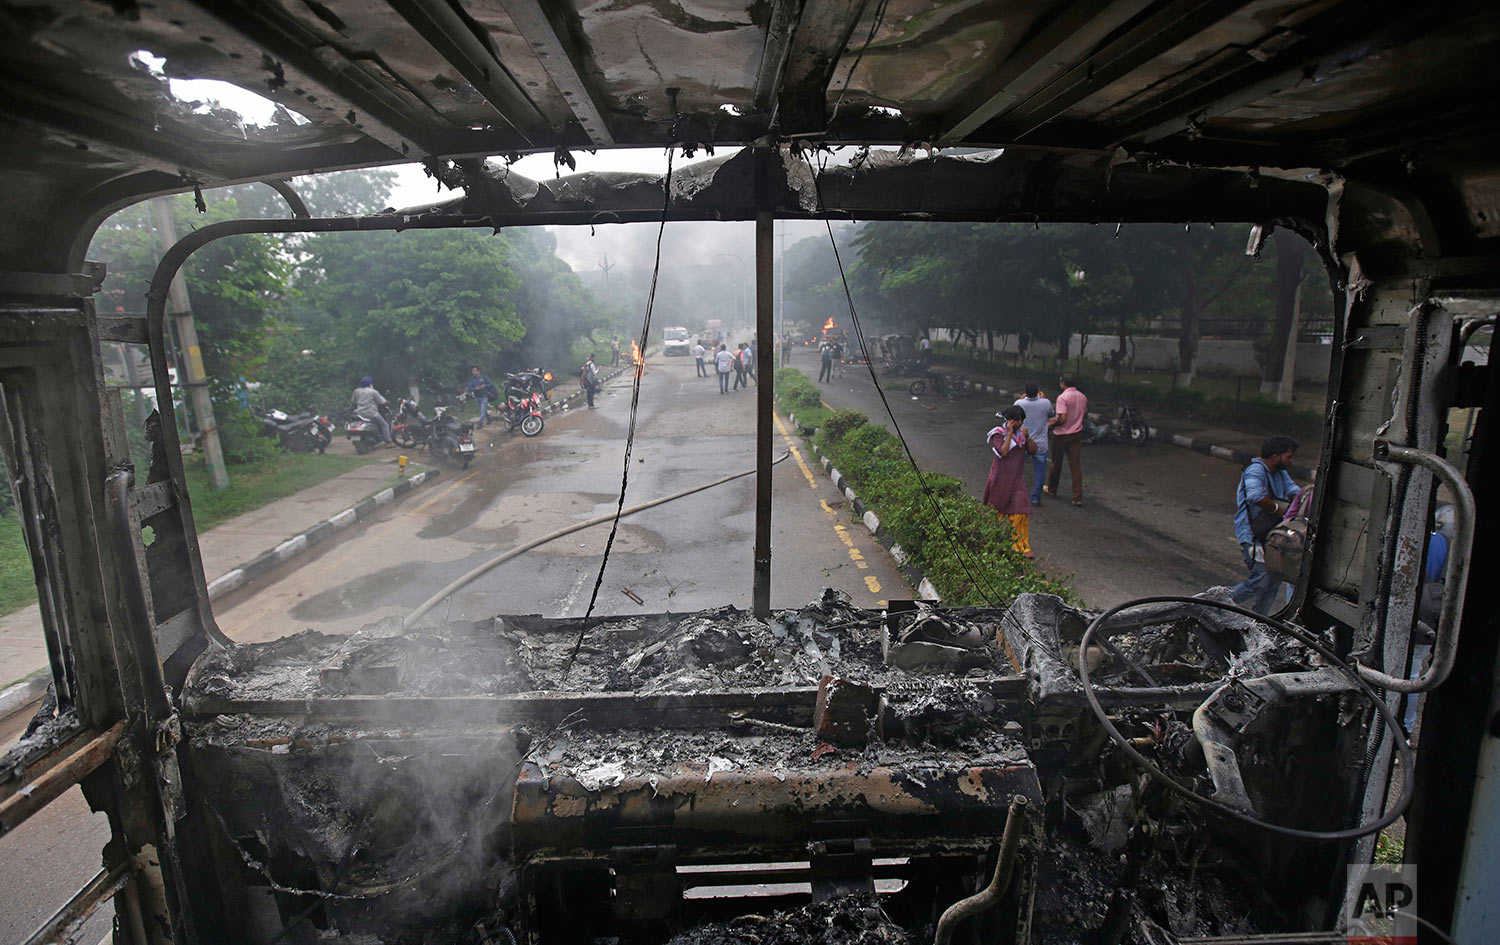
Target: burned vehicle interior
<point>1176,770</point>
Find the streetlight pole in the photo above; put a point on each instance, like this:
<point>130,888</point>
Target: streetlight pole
<point>739,291</point>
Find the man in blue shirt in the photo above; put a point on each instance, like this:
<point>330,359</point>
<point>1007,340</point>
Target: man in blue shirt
<point>1264,492</point>
<point>480,387</point>
<point>1038,411</point>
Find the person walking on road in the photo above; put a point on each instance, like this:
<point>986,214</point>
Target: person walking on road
<point>614,348</point>
<point>749,359</point>
<point>723,364</point>
<point>1005,490</point>
<point>1067,438</point>
<point>482,390</point>
<point>1038,410</point>
<point>1262,497</point>
<point>739,367</point>
<point>698,352</point>
<point>588,376</point>
<point>366,403</point>
<point>825,373</point>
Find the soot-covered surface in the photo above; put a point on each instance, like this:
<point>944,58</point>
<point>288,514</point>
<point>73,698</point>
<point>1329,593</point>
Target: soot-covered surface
<point>719,649</point>
<point>842,920</point>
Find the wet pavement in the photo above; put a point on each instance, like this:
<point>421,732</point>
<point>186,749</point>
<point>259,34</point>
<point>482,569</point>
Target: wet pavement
<point>1156,519</point>
<point>688,554</point>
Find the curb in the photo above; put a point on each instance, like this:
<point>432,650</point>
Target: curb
<point>914,576</point>
<point>319,533</point>
<point>561,404</point>
<point>1174,439</point>
<point>17,696</point>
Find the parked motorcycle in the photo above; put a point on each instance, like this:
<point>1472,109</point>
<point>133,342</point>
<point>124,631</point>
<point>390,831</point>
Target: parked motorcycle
<point>522,409</point>
<point>448,439</point>
<point>1127,426</point>
<point>304,432</point>
<point>940,383</point>
<point>408,428</point>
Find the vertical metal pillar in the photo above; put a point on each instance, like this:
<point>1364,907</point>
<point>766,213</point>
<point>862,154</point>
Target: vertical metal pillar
<point>196,380</point>
<point>765,339</point>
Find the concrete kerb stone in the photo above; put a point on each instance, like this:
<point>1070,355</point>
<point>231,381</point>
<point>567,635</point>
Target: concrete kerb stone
<point>319,533</point>
<point>553,406</point>
<point>913,575</point>
<point>24,692</point>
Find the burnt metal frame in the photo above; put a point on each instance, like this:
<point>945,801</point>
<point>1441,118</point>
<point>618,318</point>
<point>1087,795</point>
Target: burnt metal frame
<point>158,736</point>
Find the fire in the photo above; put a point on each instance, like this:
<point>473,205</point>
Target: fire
<point>828,326</point>
<point>547,377</point>
<point>636,358</point>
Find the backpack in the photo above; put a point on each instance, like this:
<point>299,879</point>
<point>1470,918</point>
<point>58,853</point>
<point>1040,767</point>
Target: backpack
<point>1286,541</point>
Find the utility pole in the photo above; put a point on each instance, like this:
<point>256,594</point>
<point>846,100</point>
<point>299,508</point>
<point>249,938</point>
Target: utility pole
<point>196,381</point>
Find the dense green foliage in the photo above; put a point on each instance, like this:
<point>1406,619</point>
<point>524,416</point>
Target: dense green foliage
<point>1047,283</point>
<point>962,546</point>
<point>303,317</point>
<point>17,580</point>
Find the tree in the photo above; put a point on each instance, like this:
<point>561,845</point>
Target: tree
<point>1291,253</point>
<point>426,303</point>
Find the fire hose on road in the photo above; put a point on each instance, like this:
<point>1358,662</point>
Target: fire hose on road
<point>463,579</point>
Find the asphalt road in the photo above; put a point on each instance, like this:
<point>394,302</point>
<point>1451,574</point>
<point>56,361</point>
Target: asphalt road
<point>1156,519</point>
<point>47,859</point>
<point>692,553</point>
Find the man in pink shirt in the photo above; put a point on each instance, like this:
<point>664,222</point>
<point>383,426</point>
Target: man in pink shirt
<point>1067,437</point>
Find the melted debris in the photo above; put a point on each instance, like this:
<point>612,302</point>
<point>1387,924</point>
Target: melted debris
<point>600,760</point>
<point>842,920</point>
<point>719,649</point>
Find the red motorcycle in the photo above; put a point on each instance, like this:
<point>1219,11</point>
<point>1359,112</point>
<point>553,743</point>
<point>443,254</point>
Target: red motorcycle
<point>523,411</point>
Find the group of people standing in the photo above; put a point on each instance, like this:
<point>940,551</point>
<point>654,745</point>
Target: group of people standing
<point>740,362</point>
<point>1034,427</point>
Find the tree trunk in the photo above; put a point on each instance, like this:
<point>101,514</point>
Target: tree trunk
<point>1062,351</point>
<point>413,387</point>
<point>1291,252</point>
<point>1112,374</point>
<point>1187,340</point>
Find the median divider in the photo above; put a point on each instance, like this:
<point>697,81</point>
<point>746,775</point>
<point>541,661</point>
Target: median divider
<point>914,575</point>
<point>315,536</point>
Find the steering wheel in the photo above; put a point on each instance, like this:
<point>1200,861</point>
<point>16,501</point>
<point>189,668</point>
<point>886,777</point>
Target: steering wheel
<point>1234,706</point>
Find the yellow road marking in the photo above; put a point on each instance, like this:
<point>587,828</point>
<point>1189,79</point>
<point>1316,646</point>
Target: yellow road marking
<point>874,587</point>
<point>451,487</point>
<point>826,404</point>
<point>796,454</point>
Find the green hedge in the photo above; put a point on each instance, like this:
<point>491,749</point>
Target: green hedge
<point>800,397</point>
<point>960,544</point>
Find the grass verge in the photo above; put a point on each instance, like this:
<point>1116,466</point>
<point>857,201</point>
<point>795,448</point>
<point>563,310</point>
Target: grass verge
<point>962,546</point>
<point>17,582</point>
<point>255,485</point>
<point>250,487</point>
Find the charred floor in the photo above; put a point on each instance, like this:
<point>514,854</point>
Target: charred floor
<point>826,775</point>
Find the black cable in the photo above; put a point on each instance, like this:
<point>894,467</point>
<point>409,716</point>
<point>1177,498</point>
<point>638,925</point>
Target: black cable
<point>635,401</point>
<point>959,552</point>
<point>869,38</point>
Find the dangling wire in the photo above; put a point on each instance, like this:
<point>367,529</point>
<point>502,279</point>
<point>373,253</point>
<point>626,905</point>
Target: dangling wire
<point>635,400</point>
<point>960,553</point>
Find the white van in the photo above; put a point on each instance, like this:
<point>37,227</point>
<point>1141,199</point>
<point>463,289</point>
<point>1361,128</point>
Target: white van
<point>675,341</point>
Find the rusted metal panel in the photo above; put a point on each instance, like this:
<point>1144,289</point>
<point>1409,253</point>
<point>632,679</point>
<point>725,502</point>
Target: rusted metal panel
<point>695,808</point>
<point>64,768</point>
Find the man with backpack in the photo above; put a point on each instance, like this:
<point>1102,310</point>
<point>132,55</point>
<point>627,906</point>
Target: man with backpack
<point>825,371</point>
<point>1263,495</point>
<point>588,376</point>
